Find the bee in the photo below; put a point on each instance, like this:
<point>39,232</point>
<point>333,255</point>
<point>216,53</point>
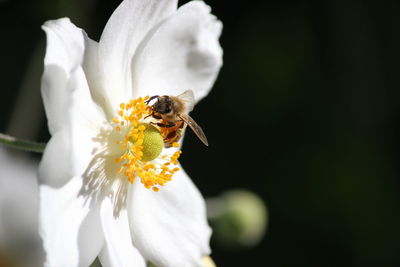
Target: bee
<point>173,113</point>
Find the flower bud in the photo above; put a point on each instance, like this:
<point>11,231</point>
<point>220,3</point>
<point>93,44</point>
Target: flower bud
<point>239,218</point>
<point>207,262</point>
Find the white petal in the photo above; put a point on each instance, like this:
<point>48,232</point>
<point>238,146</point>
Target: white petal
<point>72,146</point>
<point>92,73</point>
<point>55,167</point>
<point>128,25</point>
<point>72,116</point>
<point>183,53</point>
<point>118,250</point>
<point>169,227</point>
<point>64,52</point>
<point>19,205</point>
<point>69,225</point>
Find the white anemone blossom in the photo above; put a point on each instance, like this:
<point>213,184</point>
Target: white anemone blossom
<point>97,193</point>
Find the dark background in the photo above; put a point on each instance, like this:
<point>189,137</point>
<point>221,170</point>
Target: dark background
<point>305,113</point>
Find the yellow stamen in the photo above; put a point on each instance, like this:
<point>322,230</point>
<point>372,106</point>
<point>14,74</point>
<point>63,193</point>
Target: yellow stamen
<point>140,149</point>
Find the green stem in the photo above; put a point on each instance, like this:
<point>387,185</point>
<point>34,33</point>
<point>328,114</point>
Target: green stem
<point>20,144</point>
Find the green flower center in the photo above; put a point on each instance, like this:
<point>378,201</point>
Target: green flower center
<point>153,142</point>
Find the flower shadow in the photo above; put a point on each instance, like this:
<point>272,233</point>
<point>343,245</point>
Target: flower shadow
<point>101,178</point>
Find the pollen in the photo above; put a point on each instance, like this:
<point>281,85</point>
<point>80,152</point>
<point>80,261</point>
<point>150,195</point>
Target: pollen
<point>175,144</point>
<point>141,145</point>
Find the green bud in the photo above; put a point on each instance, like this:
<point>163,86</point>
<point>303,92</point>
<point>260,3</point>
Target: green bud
<point>239,218</point>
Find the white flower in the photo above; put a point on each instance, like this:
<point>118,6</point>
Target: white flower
<point>19,207</point>
<point>87,206</point>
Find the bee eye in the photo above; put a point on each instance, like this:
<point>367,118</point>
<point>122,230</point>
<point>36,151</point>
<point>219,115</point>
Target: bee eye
<point>163,108</point>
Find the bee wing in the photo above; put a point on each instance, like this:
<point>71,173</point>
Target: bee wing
<point>188,98</point>
<point>195,127</point>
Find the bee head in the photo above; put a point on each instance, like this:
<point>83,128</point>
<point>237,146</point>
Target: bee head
<point>163,105</point>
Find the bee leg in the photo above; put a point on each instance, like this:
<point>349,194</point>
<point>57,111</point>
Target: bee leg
<point>171,124</point>
<point>156,117</point>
